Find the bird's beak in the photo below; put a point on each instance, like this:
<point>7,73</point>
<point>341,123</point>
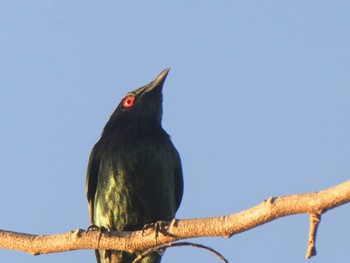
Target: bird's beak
<point>159,81</point>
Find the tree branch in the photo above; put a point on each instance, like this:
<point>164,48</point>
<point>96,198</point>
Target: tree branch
<point>314,221</point>
<point>314,204</point>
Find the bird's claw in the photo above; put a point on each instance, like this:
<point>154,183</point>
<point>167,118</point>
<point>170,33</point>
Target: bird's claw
<point>92,227</point>
<point>101,229</point>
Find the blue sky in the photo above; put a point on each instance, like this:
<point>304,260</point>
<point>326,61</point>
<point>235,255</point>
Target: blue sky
<point>256,102</point>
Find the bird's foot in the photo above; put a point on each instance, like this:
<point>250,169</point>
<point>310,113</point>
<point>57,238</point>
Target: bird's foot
<point>158,227</point>
<point>100,229</point>
<point>93,227</point>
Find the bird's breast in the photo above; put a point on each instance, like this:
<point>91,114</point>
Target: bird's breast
<point>136,184</point>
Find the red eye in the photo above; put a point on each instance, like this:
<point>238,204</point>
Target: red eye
<point>128,102</point>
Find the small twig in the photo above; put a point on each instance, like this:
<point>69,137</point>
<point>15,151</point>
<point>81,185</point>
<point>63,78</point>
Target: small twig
<point>179,244</point>
<point>311,248</point>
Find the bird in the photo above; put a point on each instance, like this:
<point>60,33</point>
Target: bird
<point>134,174</point>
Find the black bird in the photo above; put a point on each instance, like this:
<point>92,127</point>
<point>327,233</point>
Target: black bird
<point>134,175</point>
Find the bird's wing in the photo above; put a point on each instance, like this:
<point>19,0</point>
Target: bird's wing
<point>179,185</point>
<point>91,181</point>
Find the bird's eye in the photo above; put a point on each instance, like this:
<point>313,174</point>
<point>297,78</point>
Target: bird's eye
<point>128,102</point>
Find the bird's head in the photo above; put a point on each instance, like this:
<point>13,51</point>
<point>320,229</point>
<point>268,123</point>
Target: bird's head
<point>144,103</point>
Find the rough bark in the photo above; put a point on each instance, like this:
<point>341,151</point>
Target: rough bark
<point>314,204</point>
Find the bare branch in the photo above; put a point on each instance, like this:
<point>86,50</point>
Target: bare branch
<point>313,204</point>
<point>311,249</point>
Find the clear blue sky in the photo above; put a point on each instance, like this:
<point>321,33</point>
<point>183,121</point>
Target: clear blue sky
<point>257,103</point>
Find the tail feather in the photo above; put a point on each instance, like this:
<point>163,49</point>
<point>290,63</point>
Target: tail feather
<point>108,256</point>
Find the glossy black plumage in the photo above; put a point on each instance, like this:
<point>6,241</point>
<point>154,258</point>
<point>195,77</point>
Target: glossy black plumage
<point>134,174</point>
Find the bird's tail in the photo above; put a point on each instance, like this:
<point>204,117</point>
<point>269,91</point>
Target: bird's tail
<point>108,256</point>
